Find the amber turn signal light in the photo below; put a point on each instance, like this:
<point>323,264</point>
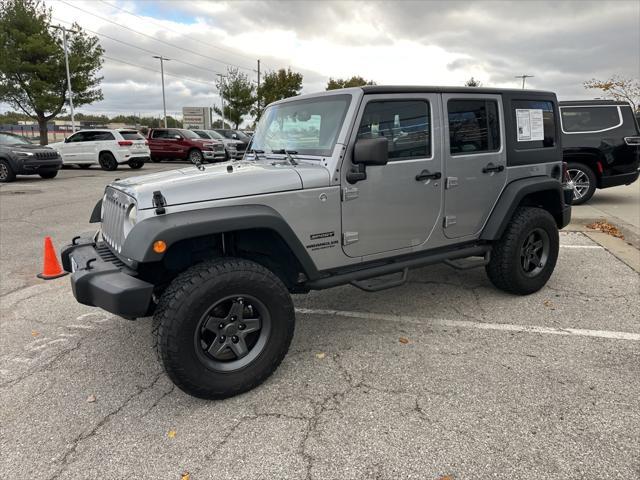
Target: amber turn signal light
<point>159,246</point>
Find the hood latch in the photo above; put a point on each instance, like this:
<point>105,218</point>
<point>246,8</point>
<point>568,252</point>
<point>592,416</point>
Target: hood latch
<point>159,202</point>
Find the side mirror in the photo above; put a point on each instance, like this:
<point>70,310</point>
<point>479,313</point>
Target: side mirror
<point>234,136</point>
<point>371,151</point>
<point>177,137</point>
<point>66,139</point>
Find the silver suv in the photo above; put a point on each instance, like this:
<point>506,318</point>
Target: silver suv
<point>350,187</point>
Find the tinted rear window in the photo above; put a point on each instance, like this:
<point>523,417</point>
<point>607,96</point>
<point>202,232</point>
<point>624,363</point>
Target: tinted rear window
<point>589,119</point>
<point>548,134</point>
<point>474,126</point>
<point>131,135</point>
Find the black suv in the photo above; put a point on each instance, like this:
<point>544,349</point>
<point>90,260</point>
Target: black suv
<point>601,144</point>
<point>18,156</point>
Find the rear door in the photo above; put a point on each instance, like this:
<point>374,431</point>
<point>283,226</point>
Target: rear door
<point>475,161</point>
<point>159,142</point>
<point>397,206</point>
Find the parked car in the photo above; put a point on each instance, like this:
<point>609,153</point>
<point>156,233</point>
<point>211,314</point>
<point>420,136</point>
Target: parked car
<point>181,144</point>
<point>235,135</point>
<point>18,156</point>
<point>364,185</point>
<point>234,149</point>
<point>108,148</point>
<point>601,145</point>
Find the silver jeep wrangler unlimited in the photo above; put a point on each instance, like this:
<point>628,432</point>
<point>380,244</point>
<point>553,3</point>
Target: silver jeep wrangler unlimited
<point>355,186</point>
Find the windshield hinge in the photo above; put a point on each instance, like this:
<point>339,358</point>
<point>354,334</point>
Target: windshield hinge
<point>159,202</point>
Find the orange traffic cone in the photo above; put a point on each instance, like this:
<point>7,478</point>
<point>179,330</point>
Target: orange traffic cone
<point>52,268</point>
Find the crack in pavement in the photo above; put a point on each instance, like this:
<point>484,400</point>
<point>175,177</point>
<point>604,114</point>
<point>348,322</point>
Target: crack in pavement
<point>82,437</point>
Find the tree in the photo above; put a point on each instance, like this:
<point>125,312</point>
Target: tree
<point>237,92</point>
<point>472,82</point>
<point>619,88</point>
<point>32,69</point>
<point>355,81</point>
<point>276,86</point>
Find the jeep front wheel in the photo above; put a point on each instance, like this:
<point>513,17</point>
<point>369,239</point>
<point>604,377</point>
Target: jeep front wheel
<point>524,258</point>
<point>223,327</point>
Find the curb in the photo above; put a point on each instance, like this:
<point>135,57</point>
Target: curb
<point>630,232</point>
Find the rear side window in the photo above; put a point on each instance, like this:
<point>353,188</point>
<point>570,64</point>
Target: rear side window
<point>201,134</point>
<point>102,136</point>
<point>405,124</point>
<point>132,135</point>
<point>474,126</point>
<point>160,134</point>
<point>590,119</point>
<point>535,124</point>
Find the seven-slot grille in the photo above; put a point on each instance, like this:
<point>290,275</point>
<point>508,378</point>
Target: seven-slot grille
<point>46,155</point>
<point>116,207</point>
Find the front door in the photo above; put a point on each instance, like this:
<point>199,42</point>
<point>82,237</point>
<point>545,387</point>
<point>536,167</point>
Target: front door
<point>397,206</point>
<point>475,161</point>
<point>72,147</point>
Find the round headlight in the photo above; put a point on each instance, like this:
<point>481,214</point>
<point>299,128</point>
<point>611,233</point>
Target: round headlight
<point>132,215</point>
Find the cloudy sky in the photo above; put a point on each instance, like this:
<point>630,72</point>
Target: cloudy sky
<point>429,43</point>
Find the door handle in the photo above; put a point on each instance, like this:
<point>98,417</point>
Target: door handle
<point>490,168</point>
<point>426,175</point>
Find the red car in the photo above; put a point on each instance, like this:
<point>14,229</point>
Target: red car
<point>181,144</point>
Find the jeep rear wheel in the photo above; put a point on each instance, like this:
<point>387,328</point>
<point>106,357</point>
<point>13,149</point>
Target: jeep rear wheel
<point>107,161</point>
<point>582,180</point>
<point>524,258</point>
<point>223,327</point>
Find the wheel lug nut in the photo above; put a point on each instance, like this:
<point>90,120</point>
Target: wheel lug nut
<point>241,326</point>
<point>234,339</point>
<point>233,318</point>
<point>221,326</point>
<point>222,338</point>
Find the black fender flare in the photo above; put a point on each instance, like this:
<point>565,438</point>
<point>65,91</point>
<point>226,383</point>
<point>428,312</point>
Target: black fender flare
<point>511,197</point>
<point>173,227</point>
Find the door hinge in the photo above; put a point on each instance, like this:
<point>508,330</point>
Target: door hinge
<point>449,220</point>
<point>349,238</point>
<point>451,182</point>
<point>349,193</point>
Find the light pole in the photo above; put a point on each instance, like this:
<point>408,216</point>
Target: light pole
<point>164,102</point>
<point>524,77</point>
<point>221,97</point>
<point>66,64</point>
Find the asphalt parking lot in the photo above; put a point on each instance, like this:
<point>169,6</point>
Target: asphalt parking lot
<point>444,377</point>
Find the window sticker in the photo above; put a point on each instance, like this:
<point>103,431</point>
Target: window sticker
<point>530,125</point>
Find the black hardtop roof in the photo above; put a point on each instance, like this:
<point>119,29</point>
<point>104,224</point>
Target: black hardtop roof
<point>566,103</point>
<point>372,89</point>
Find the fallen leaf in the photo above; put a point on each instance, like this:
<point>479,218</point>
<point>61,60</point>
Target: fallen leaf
<point>446,477</point>
<point>91,398</point>
<point>34,333</point>
<point>548,303</point>
<point>321,355</point>
<point>607,228</point>
<point>185,476</point>
<point>403,340</point>
<point>171,434</point>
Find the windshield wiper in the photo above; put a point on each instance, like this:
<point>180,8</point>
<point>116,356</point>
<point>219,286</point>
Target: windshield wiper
<point>288,153</point>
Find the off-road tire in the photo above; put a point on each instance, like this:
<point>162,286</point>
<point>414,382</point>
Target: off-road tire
<point>195,156</point>
<point>47,175</point>
<point>590,175</point>
<point>505,268</point>
<point>136,164</point>
<point>6,172</point>
<point>181,306</point>
<point>108,161</point>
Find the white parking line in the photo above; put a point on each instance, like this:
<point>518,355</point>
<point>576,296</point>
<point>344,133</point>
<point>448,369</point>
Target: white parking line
<point>477,325</point>
<point>583,246</point>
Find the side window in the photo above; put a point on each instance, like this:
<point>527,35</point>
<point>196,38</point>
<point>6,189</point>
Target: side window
<point>474,126</point>
<point>89,136</point>
<point>535,124</point>
<point>589,119</point>
<point>76,137</point>
<point>160,134</point>
<point>406,124</point>
<point>172,133</point>
<point>103,136</point>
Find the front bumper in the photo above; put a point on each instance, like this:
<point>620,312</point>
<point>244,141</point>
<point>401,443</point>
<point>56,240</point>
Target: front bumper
<point>99,279</point>
<point>37,166</point>
<point>213,155</point>
<point>615,180</point>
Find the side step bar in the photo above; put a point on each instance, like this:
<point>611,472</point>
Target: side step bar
<point>395,267</point>
<point>370,286</point>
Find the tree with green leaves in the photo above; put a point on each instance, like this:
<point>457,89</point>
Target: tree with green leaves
<point>472,82</point>
<point>618,88</point>
<point>277,85</point>
<point>355,81</point>
<point>32,67</point>
<point>237,91</point>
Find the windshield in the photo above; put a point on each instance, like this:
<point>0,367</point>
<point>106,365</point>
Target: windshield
<point>308,126</point>
<point>214,134</point>
<point>6,139</point>
<point>189,134</point>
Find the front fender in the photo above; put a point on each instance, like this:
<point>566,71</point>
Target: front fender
<point>173,227</point>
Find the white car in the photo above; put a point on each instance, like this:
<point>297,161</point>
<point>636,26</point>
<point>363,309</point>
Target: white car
<point>108,148</point>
